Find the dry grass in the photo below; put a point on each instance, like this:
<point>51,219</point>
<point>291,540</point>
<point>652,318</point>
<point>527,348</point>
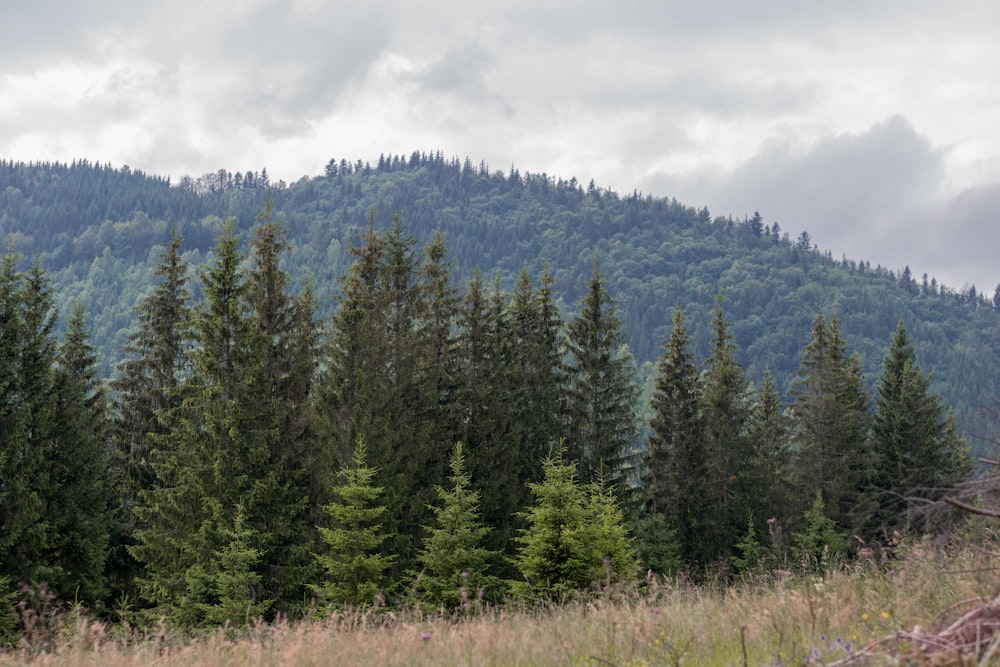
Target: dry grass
<point>861,614</point>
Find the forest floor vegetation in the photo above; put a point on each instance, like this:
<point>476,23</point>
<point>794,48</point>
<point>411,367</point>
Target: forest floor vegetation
<point>930,603</point>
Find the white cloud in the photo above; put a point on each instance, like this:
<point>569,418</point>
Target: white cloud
<point>852,120</point>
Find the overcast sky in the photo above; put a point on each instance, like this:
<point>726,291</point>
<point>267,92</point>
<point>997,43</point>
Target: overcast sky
<point>873,125</point>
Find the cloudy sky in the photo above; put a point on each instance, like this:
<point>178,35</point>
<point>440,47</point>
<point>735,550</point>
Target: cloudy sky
<point>873,125</point>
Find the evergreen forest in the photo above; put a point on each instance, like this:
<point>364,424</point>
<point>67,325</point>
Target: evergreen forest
<point>425,384</point>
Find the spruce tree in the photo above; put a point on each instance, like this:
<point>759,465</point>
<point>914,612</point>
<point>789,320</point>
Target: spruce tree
<point>237,600</point>
<point>576,537</point>
<point>613,546</point>
<point>201,461</point>
<point>354,560</point>
<point>376,380</point>
<point>678,483</point>
<point>287,482</point>
<point>491,405</point>
<point>28,531</point>
<point>820,539</point>
<point>455,563</point>
<point>536,356</point>
<point>600,422</point>
<point>20,504</point>
<point>556,555</point>
<point>830,421</point>
<point>144,394</point>
<point>78,494</point>
<point>770,474</point>
<point>916,455</point>
<point>725,409</point>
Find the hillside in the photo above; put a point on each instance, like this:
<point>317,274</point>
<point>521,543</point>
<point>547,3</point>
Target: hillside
<point>97,230</point>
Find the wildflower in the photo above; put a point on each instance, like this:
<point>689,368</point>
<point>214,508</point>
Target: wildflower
<point>848,646</point>
<point>425,635</point>
<point>864,616</point>
<point>656,610</point>
<point>886,615</point>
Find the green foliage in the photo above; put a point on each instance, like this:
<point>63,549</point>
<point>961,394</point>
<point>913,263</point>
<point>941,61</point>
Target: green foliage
<point>820,540</point>
<point>752,555</point>
<point>600,422</point>
<point>354,562</point>
<point>103,227</point>
<point>224,449</point>
<point>725,409</point>
<point>611,541</point>
<point>656,544</point>
<point>9,621</point>
<point>77,460</point>
<point>237,437</point>
<point>455,563</point>
<point>830,420</point>
<point>918,454</point>
<point>236,581</point>
<point>574,539</point>
<point>678,483</point>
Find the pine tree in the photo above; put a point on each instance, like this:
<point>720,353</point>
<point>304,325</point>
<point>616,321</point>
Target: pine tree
<point>555,555</point>
<point>28,532</point>
<point>287,481</point>
<point>601,392</point>
<point>78,496</point>
<point>490,426</point>
<point>678,486</point>
<point>376,383</point>
<point>916,456</point>
<point>770,474</point>
<point>725,410</point>
<point>201,461</point>
<point>455,562</point>
<point>27,355</point>
<point>830,421</point>
<point>236,584</point>
<point>354,561</point>
<point>146,391</point>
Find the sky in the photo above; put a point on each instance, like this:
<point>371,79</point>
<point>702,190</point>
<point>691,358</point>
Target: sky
<point>872,125</point>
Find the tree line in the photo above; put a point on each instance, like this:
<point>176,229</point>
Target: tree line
<point>424,445</point>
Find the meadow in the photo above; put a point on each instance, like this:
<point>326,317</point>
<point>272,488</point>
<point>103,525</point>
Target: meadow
<point>931,604</point>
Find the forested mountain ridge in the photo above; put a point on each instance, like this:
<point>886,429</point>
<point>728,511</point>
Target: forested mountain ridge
<point>97,232</point>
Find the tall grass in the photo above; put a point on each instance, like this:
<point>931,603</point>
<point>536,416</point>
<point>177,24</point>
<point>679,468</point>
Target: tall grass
<point>777,618</point>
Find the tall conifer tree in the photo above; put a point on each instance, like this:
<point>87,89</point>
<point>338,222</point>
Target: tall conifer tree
<point>145,393</point>
<point>601,392</point>
<point>916,458</point>
<point>725,410</point>
<point>27,356</point>
<point>679,488</point>
<point>830,419</point>
<point>78,504</point>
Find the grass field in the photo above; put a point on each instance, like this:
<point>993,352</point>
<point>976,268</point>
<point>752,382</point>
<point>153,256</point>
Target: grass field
<point>892,614</point>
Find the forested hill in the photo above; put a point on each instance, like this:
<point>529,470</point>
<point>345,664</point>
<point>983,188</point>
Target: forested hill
<point>98,231</point>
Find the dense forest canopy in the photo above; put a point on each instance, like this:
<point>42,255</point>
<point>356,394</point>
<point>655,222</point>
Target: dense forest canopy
<point>97,230</point>
<point>315,411</point>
